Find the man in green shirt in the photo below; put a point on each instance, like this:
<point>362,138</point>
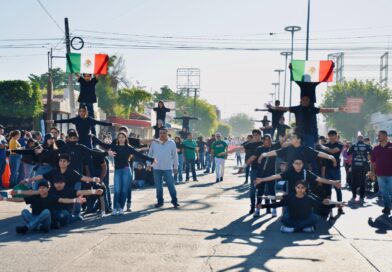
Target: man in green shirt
<point>189,150</point>
<point>217,148</point>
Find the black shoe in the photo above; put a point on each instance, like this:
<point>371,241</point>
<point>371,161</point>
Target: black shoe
<point>217,180</point>
<point>245,182</point>
<point>252,211</point>
<point>56,225</point>
<point>22,229</point>
<point>158,205</point>
<point>221,179</point>
<point>206,172</point>
<point>340,211</point>
<point>187,180</point>
<point>268,211</point>
<point>176,205</point>
<point>195,180</point>
<point>386,211</point>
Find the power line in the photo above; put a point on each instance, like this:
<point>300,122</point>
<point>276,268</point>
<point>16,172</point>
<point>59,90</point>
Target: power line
<point>50,16</point>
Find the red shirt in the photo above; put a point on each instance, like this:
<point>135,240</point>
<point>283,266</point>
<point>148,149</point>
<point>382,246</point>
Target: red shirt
<point>382,157</point>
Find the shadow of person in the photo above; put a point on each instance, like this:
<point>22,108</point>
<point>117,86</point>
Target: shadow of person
<point>266,245</point>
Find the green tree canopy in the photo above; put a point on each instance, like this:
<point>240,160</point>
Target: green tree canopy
<point>376,99</point>
<point>59,78</point>
<point>133,100</point>
<point>20,99</point>
<point>241,123</point>
<point>224,129</point>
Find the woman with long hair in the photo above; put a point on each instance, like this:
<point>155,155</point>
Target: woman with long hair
<point>15,158</point>
<point>122,173</point>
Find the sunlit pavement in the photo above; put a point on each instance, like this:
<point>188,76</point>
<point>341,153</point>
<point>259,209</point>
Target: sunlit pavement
<point>210,232</point>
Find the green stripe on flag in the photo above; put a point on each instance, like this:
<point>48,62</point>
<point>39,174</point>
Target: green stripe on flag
<point>298,69</point>
<point>73,63</point>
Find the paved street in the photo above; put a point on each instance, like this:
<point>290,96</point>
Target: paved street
<point>211,232</point>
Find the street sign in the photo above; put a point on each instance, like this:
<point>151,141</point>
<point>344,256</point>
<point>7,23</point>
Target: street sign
<point>353,104</point>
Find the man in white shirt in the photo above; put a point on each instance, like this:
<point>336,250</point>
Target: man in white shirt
<point>164,152</point>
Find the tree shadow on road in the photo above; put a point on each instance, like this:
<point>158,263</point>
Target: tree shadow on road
<point>267,244</point>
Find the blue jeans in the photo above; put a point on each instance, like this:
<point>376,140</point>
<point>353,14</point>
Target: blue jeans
<point>14,165</point>
<point>201,164</point>
<point>168,176</point>
<point>178,176</point>
<point>300,224</point>
<point>247,172</point>
<point>122,178</point>
<point>42,169</point>
<point>64,217</point>
<point>385,185</point>
<point>210,163</point>
<point>190,166</point>
<point>252,189</point>
<point>334,174</point>
<point>33,221</point>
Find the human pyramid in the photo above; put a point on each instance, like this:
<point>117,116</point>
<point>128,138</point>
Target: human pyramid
<point>65,175</point>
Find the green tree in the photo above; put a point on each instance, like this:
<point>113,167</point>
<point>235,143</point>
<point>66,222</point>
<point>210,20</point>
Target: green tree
<point>59,78</point>
<point>133,99</point>
<point>20,99</point>
<point>376,99</point>
<point>107,99</point>
<point>241,123</point>
<point>224,129</point>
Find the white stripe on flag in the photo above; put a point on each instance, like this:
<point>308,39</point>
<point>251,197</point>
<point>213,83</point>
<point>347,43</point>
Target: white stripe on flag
<point>311,73</point>
<point>87,63</point>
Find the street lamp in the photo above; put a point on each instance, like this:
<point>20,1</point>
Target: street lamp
<point>272,97</point>
<point>292,29</point>
<point>279,71</point>
<point>307,32</point>
<point>285,54</point>
<point>275,85</point>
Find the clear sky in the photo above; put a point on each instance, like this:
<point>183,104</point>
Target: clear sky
<point>236,81</point>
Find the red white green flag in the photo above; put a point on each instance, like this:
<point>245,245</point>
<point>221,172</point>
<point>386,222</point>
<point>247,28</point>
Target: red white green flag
<point>87,63</point>
<point>312,71</point>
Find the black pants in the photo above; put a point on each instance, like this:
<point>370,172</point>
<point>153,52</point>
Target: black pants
<point>190,166</point>
<point>359,180</point>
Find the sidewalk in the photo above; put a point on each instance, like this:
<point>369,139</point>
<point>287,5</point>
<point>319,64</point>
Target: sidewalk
<point>210,232</point>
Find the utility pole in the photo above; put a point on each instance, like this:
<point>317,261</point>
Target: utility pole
<point>49,94</point>
<point>307,32</point>
<point>285,54</point>
<point>70,76</point>
<point>292,29</point>
<point>275,85</point>
<point>279,71</point>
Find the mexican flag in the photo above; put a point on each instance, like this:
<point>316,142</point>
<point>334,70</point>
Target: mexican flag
<point>312,71</point>
<point>87,63</point>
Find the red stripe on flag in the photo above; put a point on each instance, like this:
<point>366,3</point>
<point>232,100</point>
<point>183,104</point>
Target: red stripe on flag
<point>326,71</point>
<point>101,64</point>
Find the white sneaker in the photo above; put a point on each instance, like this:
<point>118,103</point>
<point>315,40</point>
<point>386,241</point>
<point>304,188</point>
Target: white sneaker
<point>114,212</point>
<point>256,214</point>
<point>121,211</point>
<point>273,213</point>
<point>286,229</point>
<point>309,229</point>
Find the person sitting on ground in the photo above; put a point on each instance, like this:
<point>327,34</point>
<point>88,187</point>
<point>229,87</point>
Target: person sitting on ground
<point>300,216</point>
<point>41,206</point>
<point>139,180</point>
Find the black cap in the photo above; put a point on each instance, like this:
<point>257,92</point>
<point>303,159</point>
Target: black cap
<point>43,183</point>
